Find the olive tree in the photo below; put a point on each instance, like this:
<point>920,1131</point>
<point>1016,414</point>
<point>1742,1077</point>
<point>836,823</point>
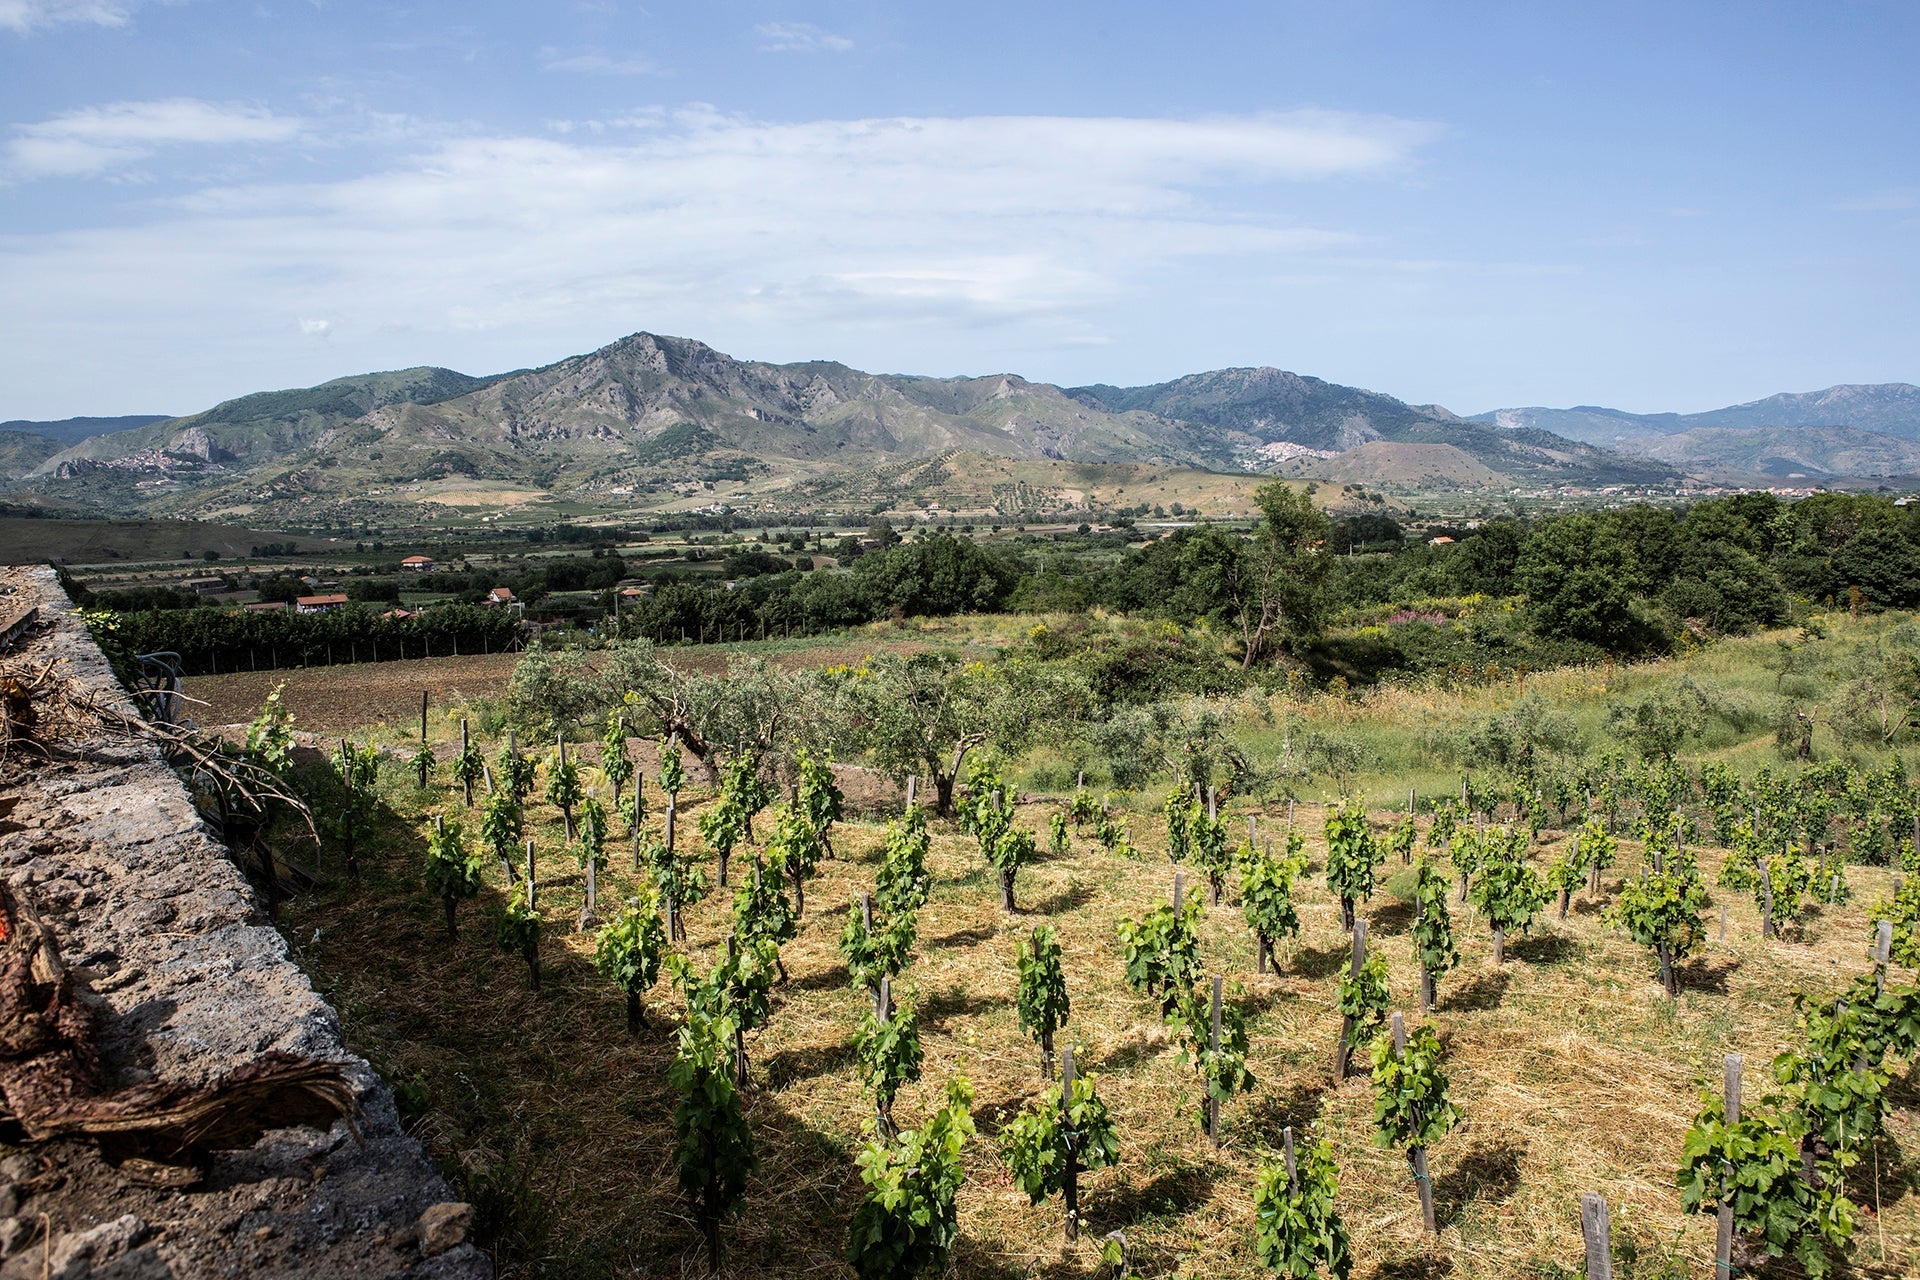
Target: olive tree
<point>920,714</point>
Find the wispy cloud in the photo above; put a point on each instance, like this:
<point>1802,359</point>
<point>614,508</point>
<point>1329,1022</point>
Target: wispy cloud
<point>1894,200</point>
<point>94,140</point>
<point>1035,227</point>
<point>27,15</point>
<point>799,37</point>
<point>597,62</point>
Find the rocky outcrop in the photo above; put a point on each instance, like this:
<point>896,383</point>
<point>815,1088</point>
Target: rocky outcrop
<point>187,982</point>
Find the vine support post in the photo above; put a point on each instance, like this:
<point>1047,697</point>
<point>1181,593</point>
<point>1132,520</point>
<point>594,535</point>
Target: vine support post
<point>1213,804</point>
<point>1426,976</point>
<point>1882,952</point>
<point>1070,1181</point>
<point>1293,1167</point>
<point>1416,1156</point>
<point>1179,890</point>
<point>638,810</point>
<point>1341,1052</point>
<point>465,746</point>
<point>424,758</point>
<point>911,780</point>
<point>673,800</point>
<point>1766,901</point>
<point>532,886</point>
<point>1289,815</point>
<point>1593,1227</point>
<point>1723,1238</point>
<point>1213,1044</point>
<point>346,833</point>
<point>882,1012</point>
<point>1499,946</point>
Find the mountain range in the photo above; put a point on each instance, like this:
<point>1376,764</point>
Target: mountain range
<point>1857,432</point>
<point>654,420</point>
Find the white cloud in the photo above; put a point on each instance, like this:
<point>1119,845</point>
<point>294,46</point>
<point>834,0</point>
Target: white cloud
<point>26,15</point>
<point>316,328</point>
<point>1034,228</point>
<point>95,139</point>
<point>799,37</point>
<point>597,62</point>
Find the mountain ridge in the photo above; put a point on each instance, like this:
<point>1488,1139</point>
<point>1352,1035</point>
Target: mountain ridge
<point>648,412</point>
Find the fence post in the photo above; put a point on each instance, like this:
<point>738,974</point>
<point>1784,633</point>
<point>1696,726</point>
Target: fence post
<point>1213,1042</point>
<point>1723,1239</point>
<point>1593,1226</point>
<point>1070,1184</point>
<point>1341,1053</point>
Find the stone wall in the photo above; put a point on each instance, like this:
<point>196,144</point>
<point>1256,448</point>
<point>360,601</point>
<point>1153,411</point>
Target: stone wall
<point>189,981</point>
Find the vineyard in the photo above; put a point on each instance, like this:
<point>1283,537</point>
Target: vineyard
<point>1076,1035</point>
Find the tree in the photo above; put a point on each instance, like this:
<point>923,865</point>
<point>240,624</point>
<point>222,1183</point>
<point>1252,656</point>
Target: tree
<point>516,772</point>
<point>713,1147</point>
<point>818,798</point>
<point>1266,896</point>
<point>755,708</point>
<point>887,1043</point>
<point>1580,578</point>
<point>627,951</point>
<point>1163,951</point>
<point>1351,857</point>
<point>1507,890</point>
<point>1042,1005</point>
<point>903,881</point>
<point>923,713</point>
<point>906,1224</point>
<point>469,767</point>
<point>1297,1230</point>
<point>1432,932</point>
<point>615,764</point>
<point>1065,1130</point>
<point>1410,1106</point>
<point>500,822</point>
<point>1662,911</point>
<point>1276,585</point>
<point>453,874</point>
<point>1213,1034</point>
<point>518,929</point>
<point>1210,849</point>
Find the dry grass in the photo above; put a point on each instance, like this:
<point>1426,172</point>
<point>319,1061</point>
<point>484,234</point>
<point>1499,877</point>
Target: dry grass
<point>1573,1072</point>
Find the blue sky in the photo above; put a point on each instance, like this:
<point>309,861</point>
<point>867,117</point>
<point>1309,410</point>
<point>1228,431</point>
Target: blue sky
<point>1661,206</point>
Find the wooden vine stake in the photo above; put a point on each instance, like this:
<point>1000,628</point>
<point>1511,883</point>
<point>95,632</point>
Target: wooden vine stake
<point>1593,1226</point>
<point>1070,1176</point>
<point>424,758</point>
<point>1341,1054</point>
<point>740,1036</point>
<point>1427,983</point>
<point>465,746</point>
<point>910,782</point>
<point>1766,901</point>
<point>639,814</point>
<point>882,1012</point>
<point>1213,1041</point>
<point>531,885</point>
<point>1723,1238</point>
<point>1293,1168</point>
<point>1417,1156</point>
<point>1882,952</point>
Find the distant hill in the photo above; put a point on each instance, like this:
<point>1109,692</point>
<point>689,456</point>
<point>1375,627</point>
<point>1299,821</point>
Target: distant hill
<point>268,424</point>
<point>1889,408</point>
<point>1246,409</point>
<point>73,430</point>
<point>668,418</point>
<point>1763,454</point>
<point>22,451</point>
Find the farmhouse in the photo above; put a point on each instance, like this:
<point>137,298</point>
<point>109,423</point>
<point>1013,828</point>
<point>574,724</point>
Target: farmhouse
<point>499,595</point>
<point>320,604</point>
<point>418,564</point>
